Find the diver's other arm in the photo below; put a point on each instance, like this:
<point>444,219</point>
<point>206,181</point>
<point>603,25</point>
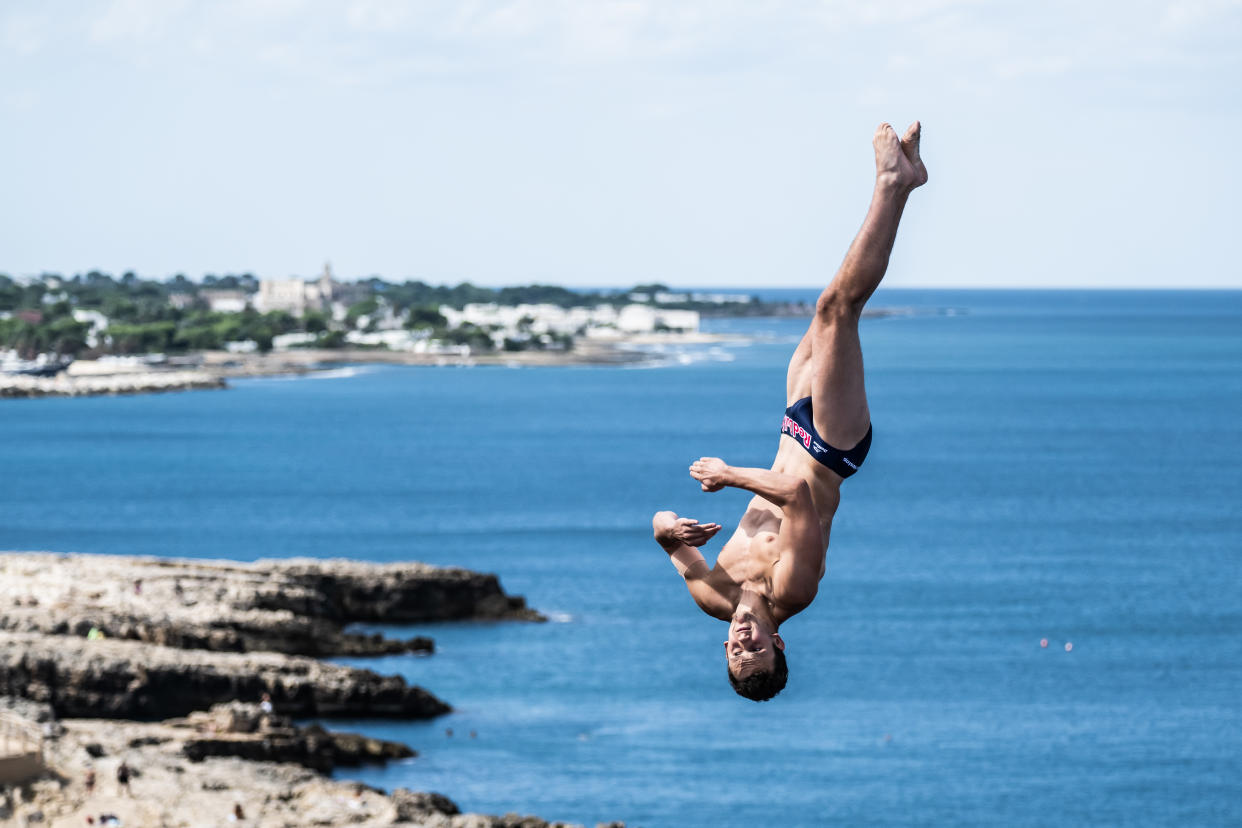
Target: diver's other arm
<point>679,537</point>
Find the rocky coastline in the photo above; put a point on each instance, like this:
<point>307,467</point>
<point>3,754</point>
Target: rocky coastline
<point>80,677</point>
<point>191,672</point>
<point>147,382</point>
<point>306,360</point>
<point>293,606</point>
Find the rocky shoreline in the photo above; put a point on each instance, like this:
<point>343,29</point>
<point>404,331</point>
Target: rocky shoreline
<point>190,673</point>
<point>293,606</point>
<point>306,360</point>
<point>132,680</point>
<point>147,382</point>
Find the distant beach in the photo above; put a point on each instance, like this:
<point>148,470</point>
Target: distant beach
<point>626,350</point>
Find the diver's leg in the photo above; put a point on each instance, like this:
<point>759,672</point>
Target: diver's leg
<point>798,376</point>
<point>834,376</point>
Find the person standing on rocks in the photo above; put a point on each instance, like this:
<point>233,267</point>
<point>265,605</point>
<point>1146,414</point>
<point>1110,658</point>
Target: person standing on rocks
<point>122,779</point>
<point>770,569</point>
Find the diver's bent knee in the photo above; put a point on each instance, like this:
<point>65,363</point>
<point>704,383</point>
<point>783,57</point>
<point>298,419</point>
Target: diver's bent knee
<point>836,305</point>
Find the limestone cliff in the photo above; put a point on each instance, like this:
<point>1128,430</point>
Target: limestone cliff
<point>131,680</point>
<point>161,665</point>
<point>298,606</point>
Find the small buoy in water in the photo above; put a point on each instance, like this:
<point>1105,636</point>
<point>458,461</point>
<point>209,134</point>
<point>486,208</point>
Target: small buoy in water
<point>448,732</point>
<point>888,737</point>
<point>474,735</point>
<point>1069,645</point>
<point>1043,642</point>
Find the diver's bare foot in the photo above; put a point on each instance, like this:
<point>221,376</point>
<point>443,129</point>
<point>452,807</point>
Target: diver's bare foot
<point>893,166</point>
<point>910,146</point>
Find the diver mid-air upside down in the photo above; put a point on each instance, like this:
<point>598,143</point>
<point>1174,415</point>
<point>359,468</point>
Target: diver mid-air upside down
<point>770,569</point>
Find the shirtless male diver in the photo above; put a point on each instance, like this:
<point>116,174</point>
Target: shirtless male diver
<point>770,569</point>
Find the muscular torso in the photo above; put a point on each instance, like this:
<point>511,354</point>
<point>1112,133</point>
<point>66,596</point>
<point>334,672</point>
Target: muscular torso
<point>751,557</point>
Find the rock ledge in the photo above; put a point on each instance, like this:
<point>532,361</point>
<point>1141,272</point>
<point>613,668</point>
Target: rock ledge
<point>161,665</point>
<point>298,606</point>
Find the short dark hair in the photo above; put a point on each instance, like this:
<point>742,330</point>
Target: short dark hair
<point>764,684</point>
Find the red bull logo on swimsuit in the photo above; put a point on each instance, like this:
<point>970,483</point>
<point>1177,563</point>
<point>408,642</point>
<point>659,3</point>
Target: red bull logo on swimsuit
<point>788,426</point>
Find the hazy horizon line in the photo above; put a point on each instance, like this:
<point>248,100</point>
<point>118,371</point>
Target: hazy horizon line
<point>579,288</point>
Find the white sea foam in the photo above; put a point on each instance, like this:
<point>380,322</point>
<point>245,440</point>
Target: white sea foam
<point>341,373</point>
<point>327,373</point>
<point>663,356</point>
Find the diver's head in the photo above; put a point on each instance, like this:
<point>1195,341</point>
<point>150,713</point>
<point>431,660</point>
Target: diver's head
<point>755,655</point>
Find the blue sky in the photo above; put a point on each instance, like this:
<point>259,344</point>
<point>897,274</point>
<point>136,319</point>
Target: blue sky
<point>606,143</point>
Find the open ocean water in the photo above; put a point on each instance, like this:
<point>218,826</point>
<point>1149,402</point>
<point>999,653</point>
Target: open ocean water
<point>1060,465</point>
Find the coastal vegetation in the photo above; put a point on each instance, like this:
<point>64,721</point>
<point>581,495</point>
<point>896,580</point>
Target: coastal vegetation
<point>94,314</point>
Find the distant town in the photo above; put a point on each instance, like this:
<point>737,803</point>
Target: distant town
<point>48,321</point>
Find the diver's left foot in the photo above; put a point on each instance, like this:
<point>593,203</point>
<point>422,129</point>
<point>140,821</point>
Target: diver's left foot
<point>897,163</point>
<point>910,146</point>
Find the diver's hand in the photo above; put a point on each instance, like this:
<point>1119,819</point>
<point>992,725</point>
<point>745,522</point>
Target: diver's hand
<point>712,472</point>
<point>692,533</point>
<point>672,531</point>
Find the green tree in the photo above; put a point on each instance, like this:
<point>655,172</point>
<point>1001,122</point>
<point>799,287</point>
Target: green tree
<point>197,338</point>
<point>67,336</point>
<point>468,334</point>
<point>425,317</point>
<point>146,338</point>
<point>314,321</point>
<point>364,308</point>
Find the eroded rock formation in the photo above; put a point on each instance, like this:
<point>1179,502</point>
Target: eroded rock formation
<point>132,680</point>
<point>170,788</point>
<point>161,665</point>
<point>248,732</point>
<point>298,606</point>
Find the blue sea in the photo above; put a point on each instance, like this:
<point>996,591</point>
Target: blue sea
<point>1047,465</point>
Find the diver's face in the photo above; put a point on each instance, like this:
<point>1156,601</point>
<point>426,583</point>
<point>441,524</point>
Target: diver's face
<point>751,647</point>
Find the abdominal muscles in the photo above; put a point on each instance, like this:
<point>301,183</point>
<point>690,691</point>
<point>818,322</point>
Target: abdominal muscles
<point>748,559</point>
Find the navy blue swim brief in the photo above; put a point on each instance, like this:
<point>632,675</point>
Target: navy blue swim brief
<point>800,425</point>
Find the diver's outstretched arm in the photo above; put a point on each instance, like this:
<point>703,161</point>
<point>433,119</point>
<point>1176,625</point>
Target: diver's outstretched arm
<point>776,487</point>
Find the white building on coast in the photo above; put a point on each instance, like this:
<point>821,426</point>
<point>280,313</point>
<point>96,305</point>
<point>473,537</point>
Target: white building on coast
<point>646,319</point>
<point>96,320</point>
<point>226,301</point>
<point>295,296</point>
<point>553,319</point>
